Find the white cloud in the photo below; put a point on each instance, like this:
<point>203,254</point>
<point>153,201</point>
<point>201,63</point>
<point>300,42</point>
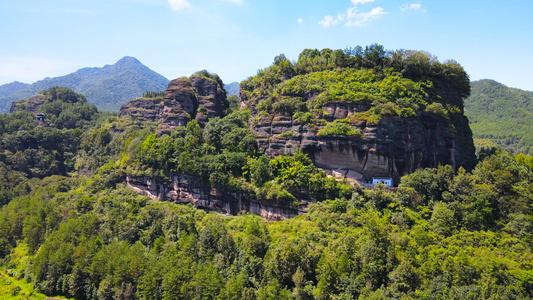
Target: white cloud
<point>300,21</point>
<point>353,17</point>
<point>179,4</point>
<point>360,19</point>
<point>330,21</point>
<point>412,6</point>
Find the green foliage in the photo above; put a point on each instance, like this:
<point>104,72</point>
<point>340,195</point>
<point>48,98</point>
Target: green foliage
<point>337,128</point>
<point>68,240</point>
<point>485,148</point>
<point>224,155</point>
<point>42,151</point>
<point>443,234</point>
<point>13,288</point>
<point>154,94</point>
<point>437,109</point>
<point>62,107</point>
<point>64,94</point>
<point>501,114</point>
<point>380,83</point>
<point>234,103</point>
<point>32,149</point>
<point>430,184</point>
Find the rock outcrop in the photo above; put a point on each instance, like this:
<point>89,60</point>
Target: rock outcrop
<point>211,98</point>
<point>392,147</point>
<point>185,99</point>
<point>189,189</point>
<point>30,105</point>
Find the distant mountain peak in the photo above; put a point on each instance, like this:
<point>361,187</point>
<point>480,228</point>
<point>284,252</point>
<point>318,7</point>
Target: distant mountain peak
<point>125,80</point>
<point>12,87</point>
<point>18,82</point>
<point>128,60</point>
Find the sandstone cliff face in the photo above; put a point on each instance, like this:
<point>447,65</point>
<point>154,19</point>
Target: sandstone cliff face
<point>211,99</point>
<point>185,99</point>
<point>392,147</point>
<point>188,189</point>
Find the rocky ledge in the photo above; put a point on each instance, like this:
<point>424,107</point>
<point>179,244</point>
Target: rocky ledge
<point>189,189</point>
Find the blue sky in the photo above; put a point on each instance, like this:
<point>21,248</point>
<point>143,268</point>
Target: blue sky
<point>235,38</point>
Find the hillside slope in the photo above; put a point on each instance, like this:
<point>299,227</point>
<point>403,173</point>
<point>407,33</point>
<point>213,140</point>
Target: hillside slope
<point>108,87</point>
<point>501,114</point>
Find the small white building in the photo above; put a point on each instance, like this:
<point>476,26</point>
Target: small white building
<point>40,117</point>
<point>385,180</point>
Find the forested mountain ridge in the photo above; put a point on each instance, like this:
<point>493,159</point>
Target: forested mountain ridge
<point>501,114</point>
<point>108,87</point>
<point>442,234</point>
<point>10,88</point>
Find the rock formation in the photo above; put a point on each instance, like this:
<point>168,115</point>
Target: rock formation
<point>189,189</point>
<point>211,98</point>
<point>392,147</point>
<point>198,97</point>
<point>426,132</point>
<point>30,105</point>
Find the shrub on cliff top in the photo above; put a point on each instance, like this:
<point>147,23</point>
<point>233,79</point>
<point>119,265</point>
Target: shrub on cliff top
<point>338,129</point>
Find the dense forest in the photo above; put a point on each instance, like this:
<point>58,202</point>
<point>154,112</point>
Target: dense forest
<point>70,227</point>
<point>502,115</point>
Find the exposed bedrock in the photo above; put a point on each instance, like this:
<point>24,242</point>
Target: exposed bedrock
<point>392,147</point>
<point>185,99</point>
<point>189,189</point>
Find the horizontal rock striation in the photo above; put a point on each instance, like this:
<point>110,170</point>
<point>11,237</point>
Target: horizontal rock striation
<point>211,99</point>
<point>185,99</point>
<point>189,189</point>
<point>391,147</point>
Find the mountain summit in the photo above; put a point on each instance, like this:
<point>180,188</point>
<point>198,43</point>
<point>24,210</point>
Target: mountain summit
<point>108,87</point>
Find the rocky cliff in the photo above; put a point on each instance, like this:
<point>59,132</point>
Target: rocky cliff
<point>387,145</point>
<point>199,97</point>
<point>189,189</point>
<point>355,118</point>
